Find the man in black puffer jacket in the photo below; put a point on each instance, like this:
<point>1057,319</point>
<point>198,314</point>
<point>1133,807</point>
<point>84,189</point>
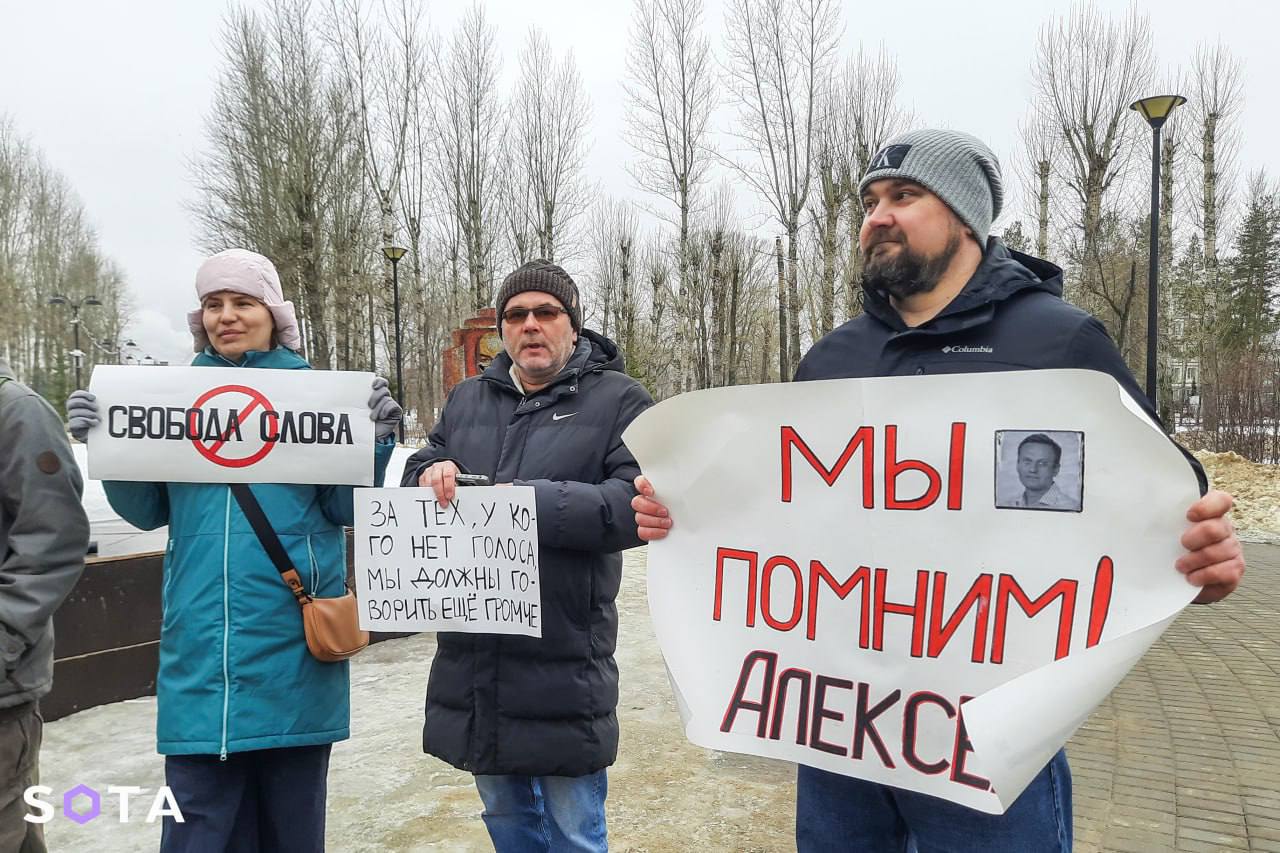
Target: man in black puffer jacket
<point>535,718</point>
<point>941,296</point>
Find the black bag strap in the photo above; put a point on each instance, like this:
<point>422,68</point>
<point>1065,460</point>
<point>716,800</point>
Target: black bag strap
<point>270,541</point>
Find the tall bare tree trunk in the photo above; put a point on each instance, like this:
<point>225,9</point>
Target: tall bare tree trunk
<point>1042,208</point>
<point>784,360</point>
<point>793,294</point>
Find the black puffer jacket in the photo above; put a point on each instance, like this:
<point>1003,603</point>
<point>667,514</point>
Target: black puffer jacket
<point>523,705</point>
<point>1010,316</point>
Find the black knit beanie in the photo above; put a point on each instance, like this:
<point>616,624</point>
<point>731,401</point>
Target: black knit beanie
<point>547,277</point>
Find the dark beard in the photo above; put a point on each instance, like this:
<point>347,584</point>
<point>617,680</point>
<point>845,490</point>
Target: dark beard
<point>908,273</point>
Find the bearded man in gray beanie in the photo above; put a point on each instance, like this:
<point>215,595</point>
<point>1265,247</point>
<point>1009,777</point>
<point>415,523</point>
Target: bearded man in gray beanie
<point>535,718</point>
<point>943,296</point>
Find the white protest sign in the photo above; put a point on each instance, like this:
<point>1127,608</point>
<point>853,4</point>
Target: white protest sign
<point>470,565</point>
<point>221,425</point>
<point>852,561</point>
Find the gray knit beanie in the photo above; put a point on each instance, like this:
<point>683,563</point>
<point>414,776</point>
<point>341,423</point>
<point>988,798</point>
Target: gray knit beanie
<point>956,167</point>
<point>544,276</point>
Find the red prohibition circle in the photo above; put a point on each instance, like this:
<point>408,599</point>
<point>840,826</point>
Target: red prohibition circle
<point>257,398</point>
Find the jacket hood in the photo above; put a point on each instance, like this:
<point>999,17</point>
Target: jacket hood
<point>1002,273</point>
<point>6,372</point>
<point>593,352</point>
<point>278,358</point>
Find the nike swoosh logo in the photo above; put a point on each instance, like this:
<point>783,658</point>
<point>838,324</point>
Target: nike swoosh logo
<point>558,417</point>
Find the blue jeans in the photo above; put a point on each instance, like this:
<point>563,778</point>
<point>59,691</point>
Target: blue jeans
<point>525,814</point>
<point>839,813</point>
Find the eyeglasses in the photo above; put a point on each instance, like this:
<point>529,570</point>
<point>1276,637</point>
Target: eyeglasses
<point>543,314</point>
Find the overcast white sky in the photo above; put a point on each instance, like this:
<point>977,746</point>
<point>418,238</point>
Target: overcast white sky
<point>115,94</point>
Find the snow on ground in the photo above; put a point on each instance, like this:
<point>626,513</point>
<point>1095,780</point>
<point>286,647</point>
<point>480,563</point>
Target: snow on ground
<point>1256,489</point>
<point>384,795</point>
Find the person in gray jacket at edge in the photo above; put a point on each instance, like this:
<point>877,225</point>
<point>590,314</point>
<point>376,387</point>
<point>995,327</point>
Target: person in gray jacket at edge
<point>44,534</point>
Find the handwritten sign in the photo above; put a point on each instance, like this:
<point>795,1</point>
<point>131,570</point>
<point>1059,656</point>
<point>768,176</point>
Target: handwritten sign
<point>470,566</point>
<point>928,582</point>
<point>215,425</point>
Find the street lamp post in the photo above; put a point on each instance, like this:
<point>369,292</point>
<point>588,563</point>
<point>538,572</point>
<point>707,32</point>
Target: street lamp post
<point>394,254</point>
<point>75,304</point>
<point>1156,111</point>
<point>117,348</point>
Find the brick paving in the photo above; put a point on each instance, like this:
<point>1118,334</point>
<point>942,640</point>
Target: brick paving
<point>1185,754</point>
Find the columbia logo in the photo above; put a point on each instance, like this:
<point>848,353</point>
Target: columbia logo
<point>967,349</point>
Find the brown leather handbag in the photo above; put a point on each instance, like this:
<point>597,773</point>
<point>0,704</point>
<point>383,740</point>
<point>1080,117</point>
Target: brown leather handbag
<point>331,625</point>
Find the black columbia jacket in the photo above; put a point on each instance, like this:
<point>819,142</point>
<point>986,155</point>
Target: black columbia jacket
<point>524,705</point>
<point>1010,316</point>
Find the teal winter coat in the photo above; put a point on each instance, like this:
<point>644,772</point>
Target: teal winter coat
<point>235,673</point>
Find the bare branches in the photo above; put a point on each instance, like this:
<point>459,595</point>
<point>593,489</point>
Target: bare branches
<point>1041,150</point>
<point>382,71</point>
<point>551,113</point>
<point>670,96</point>
<point>47,246</point>
<point>1216,100</point>
<point>1088,70</point>
<point>470,133</point>
<point>869,115</point>
<point>780,55</point>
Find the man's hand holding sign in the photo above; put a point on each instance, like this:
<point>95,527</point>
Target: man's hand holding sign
<point>863,592</point>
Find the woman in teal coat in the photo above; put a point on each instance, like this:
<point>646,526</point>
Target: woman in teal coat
<point>246,715</point>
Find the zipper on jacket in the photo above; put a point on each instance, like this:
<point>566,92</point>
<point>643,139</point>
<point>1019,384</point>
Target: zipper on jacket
<point>226,625</point>
<point>315,571</point>
<point>167,568</point>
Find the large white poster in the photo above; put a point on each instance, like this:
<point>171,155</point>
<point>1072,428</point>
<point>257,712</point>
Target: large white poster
<point>470,565</point>
<point>215,425</point>
<point>924,581</point>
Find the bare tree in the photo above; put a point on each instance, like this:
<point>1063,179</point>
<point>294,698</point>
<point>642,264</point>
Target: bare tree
<point>1041,150</point>
<point>872,115</point>
<point>551,113</point>
<point>1217,97</point>
<point>614,278</point>
<point>470,133</point>
<point>380,60</point>
<point>381,70</point>
<point>833,170</point>
<point>780,57</point>
<point>275,131</point>
<point>47,247</point>
<point>670,95</point>
<point>1088,70</point>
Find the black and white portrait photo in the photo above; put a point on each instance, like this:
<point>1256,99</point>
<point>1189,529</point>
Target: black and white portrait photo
<point>1040,470</point>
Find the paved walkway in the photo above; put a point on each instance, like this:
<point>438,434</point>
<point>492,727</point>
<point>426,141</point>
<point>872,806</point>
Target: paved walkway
<point>1184,756</point>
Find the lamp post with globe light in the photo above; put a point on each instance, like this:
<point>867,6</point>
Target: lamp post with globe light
<point>75,305</point>
<point>1155,110</point>
<point>394,254</point>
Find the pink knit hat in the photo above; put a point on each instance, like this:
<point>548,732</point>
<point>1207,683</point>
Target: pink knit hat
<point>253,275</point>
